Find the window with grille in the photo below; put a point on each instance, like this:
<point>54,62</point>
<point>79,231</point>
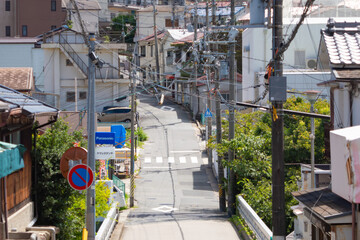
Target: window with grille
<point>7,31</point>
<point>82,95</point>
<point>70,96</point>
<point>53,5</point>
<point>24,31</point>
<point>7,5</point>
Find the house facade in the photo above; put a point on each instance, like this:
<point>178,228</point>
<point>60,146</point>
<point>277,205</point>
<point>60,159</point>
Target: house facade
<point>331,212</point>
<point>17,17</point>
<point>18,113</point>
<point>164,14</point>
<point>301,56</point>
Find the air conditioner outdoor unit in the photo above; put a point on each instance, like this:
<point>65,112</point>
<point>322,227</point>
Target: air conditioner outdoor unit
<point>311,63</point>
<point>345,163</point>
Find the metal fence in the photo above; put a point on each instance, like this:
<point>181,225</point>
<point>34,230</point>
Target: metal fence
<point>120,184</point>
<point>252,220</point>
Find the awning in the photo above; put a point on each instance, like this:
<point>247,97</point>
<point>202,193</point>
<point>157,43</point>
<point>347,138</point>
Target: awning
<point>11,158</point>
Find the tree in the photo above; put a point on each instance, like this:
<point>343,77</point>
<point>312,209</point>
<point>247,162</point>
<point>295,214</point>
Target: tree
<point>252,147</point>
<point>59,204</point>
<point>125,24</point>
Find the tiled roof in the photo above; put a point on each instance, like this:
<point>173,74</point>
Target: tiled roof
<point>18,78</point>
<point>160,35</point>
<point>324,202</point>
<point>343,47</point>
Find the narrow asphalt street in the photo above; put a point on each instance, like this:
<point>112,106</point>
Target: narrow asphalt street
<point>174,196</point>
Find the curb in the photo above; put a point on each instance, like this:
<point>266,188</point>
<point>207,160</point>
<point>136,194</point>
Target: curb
<point>119,227</point>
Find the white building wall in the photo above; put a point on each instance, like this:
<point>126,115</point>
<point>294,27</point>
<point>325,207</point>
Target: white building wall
<point>257,44</point>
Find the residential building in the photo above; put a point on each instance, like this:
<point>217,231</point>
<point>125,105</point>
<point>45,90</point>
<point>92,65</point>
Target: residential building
<point>66,56</point>
<point>59,60</point>
<point>300,58</point>
<point>331,212</point>
<point>17,17</point>
<point>18,113</point>
<point>89,13</point>
<point>145,19</point>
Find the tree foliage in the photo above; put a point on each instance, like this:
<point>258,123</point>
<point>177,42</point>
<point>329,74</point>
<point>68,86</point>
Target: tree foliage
<point>58,203</point>
<point>252,147</point>
<point>125,24</point>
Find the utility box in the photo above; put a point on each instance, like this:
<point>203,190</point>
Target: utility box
<point>345,163</point>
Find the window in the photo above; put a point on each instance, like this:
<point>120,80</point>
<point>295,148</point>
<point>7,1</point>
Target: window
<point>299,60</point>
<point>70,96</point>
<point>24,30</point>
<point>7,5</point>
<point>177,56</point>
<point>142,51</point>
<point>152,50</point>
<point>168,23</point>
<point>53,27</point>
<point>112,15</point>
<point>82,95</point>
<point>53,5</point>
<point>69,63</point>
<point>7,31</point>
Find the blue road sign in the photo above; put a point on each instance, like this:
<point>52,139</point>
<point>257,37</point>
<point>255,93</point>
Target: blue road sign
<point>105,138</point>
<point>208,114</point>
<point>80,177</point>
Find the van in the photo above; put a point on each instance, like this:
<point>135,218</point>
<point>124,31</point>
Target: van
<point>116,114</point>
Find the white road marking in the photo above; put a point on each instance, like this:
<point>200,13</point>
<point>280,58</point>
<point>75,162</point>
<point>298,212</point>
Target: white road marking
<point>182,159</point>
<point>147,160</point>
<point>171,159</point>
<point>159,159</point>
<point>159,167</point>
<point>194,159</point>
<point>165,209</point>
<point>184,151</point>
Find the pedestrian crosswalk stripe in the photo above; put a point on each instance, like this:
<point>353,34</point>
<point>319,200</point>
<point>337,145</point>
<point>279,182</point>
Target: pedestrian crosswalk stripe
<point>182,159</point>
<point>194,159</point>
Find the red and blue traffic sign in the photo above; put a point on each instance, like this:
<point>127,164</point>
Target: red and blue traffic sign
<point>80,177</point>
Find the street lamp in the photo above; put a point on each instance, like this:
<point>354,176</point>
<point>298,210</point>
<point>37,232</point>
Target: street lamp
<point>312,96</point>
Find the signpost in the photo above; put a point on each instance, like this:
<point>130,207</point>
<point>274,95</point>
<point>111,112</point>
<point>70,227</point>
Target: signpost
<point>105,153</point>
<point>105,138</point>
<point>80,177</point>
<point>208,113</point>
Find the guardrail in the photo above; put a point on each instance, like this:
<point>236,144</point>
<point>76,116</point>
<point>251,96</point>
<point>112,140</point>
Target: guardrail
<point>253,221</point>
<point>120,184</point>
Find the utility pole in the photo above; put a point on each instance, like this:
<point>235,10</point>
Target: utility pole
<point>213,10</point>
<point>194,87</point>
<point>156,46</point>
<point>278,192</point>
<point>222,199</point>
<point>133,112</point>
<point>90,193</point>
<point>232,76</point>
<point>173,14</point>
<point>209,119</point>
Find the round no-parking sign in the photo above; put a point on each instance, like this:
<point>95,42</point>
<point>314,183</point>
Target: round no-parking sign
<point>80,177</point>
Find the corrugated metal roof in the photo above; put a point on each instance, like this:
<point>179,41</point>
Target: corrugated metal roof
<point>19,40</point>
<point>16,99</point>
<point>18,78</point>
<point>221,11</point>
<point>324,202</point>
